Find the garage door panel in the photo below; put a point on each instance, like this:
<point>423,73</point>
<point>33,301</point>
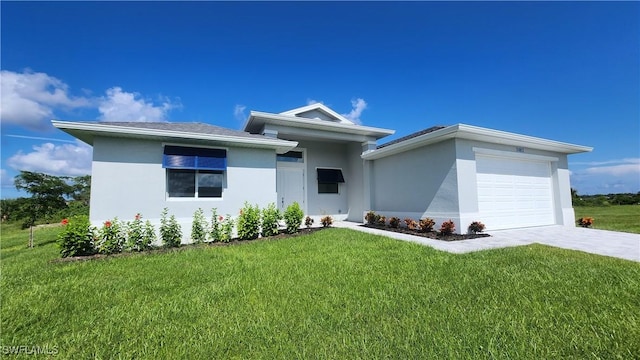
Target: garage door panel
<point>513,192</point>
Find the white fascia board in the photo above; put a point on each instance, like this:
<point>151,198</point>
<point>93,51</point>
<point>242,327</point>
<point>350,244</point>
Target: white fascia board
<point>317,106</point>
<point>279,145</point>
<point>300,122</point>
<point>462,131</point>
<point>489,135</point>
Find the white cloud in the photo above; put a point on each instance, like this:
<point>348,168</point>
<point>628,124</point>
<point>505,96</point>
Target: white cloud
<point>120,105</point>
<point>615,170</point>
<point>239,114</point>
<point>602,177</point>
<point>609,162</point>
<point>359,105</point>
<point>29,98</point>
<point>5,179</point>
<point>311,102</point>
<point>65,159</point>
<point>622,167</point>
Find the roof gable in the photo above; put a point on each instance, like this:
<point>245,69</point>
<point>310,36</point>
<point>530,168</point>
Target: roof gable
<point>317,111</point>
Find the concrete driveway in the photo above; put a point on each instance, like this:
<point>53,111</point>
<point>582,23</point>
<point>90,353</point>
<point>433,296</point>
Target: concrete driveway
<point>601,242</point>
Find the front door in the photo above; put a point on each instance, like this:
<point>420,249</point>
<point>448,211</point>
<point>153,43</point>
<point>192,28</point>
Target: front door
<point>290,186</point>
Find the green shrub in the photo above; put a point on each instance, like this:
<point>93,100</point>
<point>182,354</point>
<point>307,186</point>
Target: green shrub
<point>111,237</point>
<point>293,216</point>
<point>426,224</point>
<point>447,227</point>
<point>381,220</point>
<point>215,230</point>
<point>140,236</point>
<point>270,217</point>
<point>326,221</point>
<point>135,234</point>
<point>249,222</point>
<point>77,238</point>
<point>198,227</point>
<point>308,221</point>
<point>170,230</point>
<point>226,228</point>
<point>394,222</point>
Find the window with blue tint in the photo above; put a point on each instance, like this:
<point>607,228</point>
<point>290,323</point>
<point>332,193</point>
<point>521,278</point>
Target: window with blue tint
<point>194,172</point>
<point>180,157</point>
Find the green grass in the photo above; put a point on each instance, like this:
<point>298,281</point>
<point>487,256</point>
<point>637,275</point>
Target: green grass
<point>334,294</point>
<point>624,218</point>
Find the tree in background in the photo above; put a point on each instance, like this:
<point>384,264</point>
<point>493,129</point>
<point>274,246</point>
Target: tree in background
<point>50,195</point>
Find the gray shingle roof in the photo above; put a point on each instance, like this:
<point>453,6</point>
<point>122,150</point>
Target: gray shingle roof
<point>411,136</point>
<point>189,127</point>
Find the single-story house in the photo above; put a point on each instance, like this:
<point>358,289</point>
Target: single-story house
<point>330,166</point>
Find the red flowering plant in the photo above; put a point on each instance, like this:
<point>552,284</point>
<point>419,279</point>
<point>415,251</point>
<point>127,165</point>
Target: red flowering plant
<point>476,227</point>
<point>111,237</point>
<point>139,236</point>
<point>77,238</point>
<point>585,221</point>
<point>221,227</point>
<point>426,224</point>
<point>394,222</point>
<point>447,227</point>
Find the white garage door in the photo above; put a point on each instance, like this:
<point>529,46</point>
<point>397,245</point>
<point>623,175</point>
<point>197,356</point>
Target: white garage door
<point>514,193</point>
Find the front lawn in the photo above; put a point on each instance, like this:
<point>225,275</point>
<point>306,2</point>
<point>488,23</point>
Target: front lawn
<point>624,218</point>
<point>336,293</point>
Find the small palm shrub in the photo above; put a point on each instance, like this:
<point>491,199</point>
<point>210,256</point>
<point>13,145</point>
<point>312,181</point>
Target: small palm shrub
<point>394,222</point>
<point>326,221</point>
<point>270,217</point>
<point>476,227</point>
<point>198,227</point>
<point>308,221</point>
<point>447,227</point>
<point>170,230</point>
<point>426,224</point>
<point>293,217</point>
<point>77,238</point>
<point>249,222</point>
<point>111,237</point>
<point>411,224</point>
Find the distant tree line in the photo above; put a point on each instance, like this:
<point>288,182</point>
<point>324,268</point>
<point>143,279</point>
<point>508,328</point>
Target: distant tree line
<point>52,198</point>
<point>604,200</point>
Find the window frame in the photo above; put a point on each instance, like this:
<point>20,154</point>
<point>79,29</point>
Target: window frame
<point>195,171</point>
<point>323,186</point>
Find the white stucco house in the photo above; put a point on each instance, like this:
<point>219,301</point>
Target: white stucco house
<point>330,166</point>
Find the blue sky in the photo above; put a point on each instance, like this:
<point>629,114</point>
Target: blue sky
<point>565,71</point>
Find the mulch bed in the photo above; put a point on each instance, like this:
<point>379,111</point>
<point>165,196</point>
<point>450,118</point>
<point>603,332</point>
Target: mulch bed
<point>431,234</point>
<point>160,250</point>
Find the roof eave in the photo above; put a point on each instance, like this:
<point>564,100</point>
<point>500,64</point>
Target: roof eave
<point>300,122</point>
<point>463,131</point>
<point>86,131</point>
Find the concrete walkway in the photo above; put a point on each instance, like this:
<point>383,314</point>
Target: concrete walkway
<point>601,242</point>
